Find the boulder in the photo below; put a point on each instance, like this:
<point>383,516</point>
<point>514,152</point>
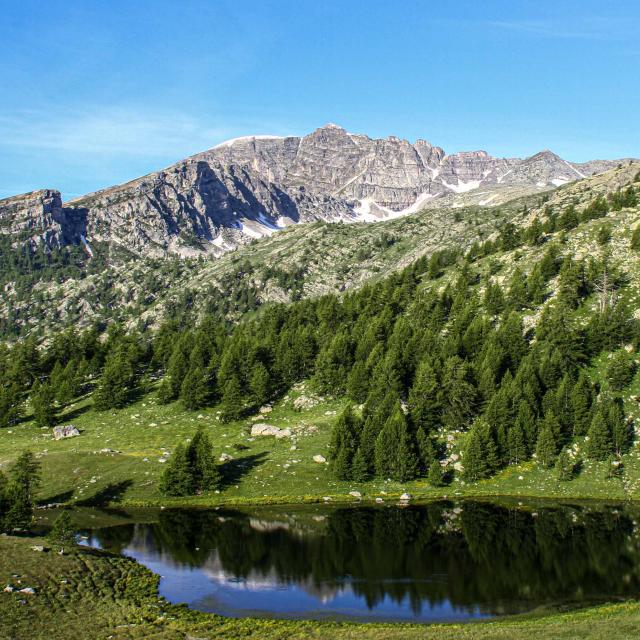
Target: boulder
<point>67,431</point>
<point>405,496</point>
<point>355,494</point>
<point>264,429</point>
<point>225,457</point>
<point>319,459</point>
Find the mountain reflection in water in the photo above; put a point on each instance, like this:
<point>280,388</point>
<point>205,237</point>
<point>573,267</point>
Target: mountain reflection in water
<point>442,561</point>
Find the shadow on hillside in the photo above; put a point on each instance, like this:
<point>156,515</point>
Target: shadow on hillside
<point>73,414</point>
<point>113,492</point>
<point>59,498</point>
<point>233,471</point>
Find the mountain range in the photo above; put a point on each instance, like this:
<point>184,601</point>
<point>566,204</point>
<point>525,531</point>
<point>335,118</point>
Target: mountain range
<point>251,187</point>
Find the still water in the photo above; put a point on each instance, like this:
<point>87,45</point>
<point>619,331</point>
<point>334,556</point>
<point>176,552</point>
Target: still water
<point>437,562</point>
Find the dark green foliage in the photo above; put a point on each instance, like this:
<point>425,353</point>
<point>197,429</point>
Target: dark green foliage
<point>192,470</point>
<point>43,404</point>
<point>481,453</point>
<point>195,390</point>
<point>345,439</point>
<point>435,477</point>
<point>62,535</point>
<point>424,402</point>
<point>176,479</point>
<point>546,446</point>
<point>564,467</point>
<point>232,403</point>
<point>19,493</point>
<point>395,455</point>
<point>635,239</point>
<point>204,471</point>
<point>581,402</point>
<point>620,370</point>
<point>599,445</point>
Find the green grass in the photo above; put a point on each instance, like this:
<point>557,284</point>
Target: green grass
<point>264,470</point>
<point>91,594</point>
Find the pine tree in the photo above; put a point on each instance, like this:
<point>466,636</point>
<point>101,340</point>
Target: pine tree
<point>42,401</point>
<point>195,390</point>
<point>546,445</point>
<point>62,534</point>
<point>358,382</point>
<point>426,450</point>
<point>359,467</point>
<point>260,384</point>
<point>564,467</point>
<point>115,383</point>
<point>621,370</point>
<point>20,492</point>
<point>617,424</point>
<point>177,479</point>
<point>526,421</point>
<point>516,445</point>
<point>202,464</point>
<point>165,393</point>
<point>344,444</point>
<point>435,476</point>
<point>424,404</point>
<point>395,455</point>
<point>581,402</point>
<point>480,457</point>
<point>599,445</point>
<point>232,403</point>
<point>536,286</point>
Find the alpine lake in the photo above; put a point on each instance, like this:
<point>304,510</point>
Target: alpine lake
<point>436,562</point>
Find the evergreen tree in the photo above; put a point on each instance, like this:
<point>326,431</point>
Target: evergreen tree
<point>526,422</point>
<point>564,467</point>
<point>435,476</point>
<point>177,479</point>
<point>426,450</point>
<point>62,534</point>
<point>260,383</point>
<point>516,443</point>
<point>195,389</point>
<point>43,404</point>
<point>204,471</point>
<point>617,425</point>
<point>20,492</point>
<point>424,404</point>
<point>116,382</point>
<point>359,467</point>
<point>344,444</point>
<point>480,454</point>
<point>620,370</point>
<point>536,286</point>
<point>581,401</point>
<point>232,403</point>
<point>546,445</point>
<point>395,455</point>
<point>599,445</point>
<point>358,382</point>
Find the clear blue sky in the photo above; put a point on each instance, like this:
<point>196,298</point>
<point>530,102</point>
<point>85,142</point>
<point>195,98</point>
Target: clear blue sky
<point>96,93</point>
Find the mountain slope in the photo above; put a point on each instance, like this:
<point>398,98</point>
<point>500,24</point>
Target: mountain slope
<point>251,187</point>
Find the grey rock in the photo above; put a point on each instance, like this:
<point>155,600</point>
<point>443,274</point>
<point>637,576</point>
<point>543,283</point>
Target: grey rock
<point>68,431</point>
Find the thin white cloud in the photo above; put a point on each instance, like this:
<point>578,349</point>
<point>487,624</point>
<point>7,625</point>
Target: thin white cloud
<point>586,29</point>
<point>119,132</point>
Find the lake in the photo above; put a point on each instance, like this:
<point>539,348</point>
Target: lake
<point>438,562</point>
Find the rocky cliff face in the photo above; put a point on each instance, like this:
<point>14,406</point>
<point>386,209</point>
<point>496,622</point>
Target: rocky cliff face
<point>39,218</point>
<point>250,187</point>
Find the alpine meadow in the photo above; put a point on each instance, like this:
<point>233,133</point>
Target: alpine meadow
<point>325,384</point>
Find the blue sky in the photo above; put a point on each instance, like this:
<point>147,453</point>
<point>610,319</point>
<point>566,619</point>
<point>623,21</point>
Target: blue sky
<point>96,93</point>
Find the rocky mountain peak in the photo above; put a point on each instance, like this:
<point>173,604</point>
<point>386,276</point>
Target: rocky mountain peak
<point>253,186</point>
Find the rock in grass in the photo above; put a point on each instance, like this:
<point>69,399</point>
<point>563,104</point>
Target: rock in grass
<point>355,494</point>
<point>66,431</point>
<point>264,429</point>
<point>319,459</point>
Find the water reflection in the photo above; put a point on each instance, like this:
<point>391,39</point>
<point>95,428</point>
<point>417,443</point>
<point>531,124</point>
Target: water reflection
<point>435,562</point>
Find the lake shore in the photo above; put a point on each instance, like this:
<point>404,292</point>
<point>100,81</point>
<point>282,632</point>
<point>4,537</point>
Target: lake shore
<point>113,595</point>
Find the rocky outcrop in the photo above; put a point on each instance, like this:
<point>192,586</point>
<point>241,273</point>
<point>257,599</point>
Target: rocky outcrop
<point>38,218</point>
<point>251,187</point>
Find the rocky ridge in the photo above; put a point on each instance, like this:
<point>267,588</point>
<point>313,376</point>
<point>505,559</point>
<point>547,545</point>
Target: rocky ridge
<point>251,187</point>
